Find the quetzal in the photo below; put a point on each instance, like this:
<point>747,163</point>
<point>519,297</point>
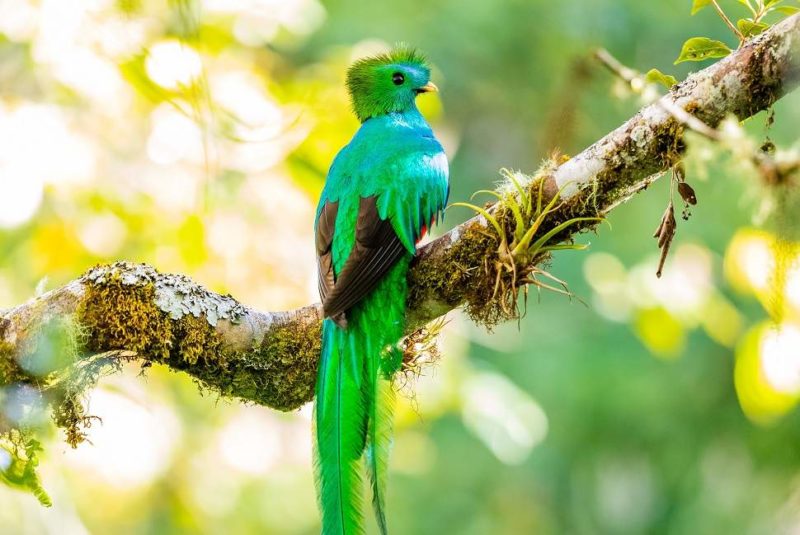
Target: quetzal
<point>383,190</point>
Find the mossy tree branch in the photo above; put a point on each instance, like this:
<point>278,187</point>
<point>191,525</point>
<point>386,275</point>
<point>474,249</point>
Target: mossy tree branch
<point>130,311</point>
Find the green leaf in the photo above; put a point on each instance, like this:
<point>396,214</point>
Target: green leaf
<point>19,456</point>
<point>788,10</point>
<point>657,77</point>
<point>697,5</point>
<point>700,48</point>
<point>750,28</point>
<point>485,214</point>
<point>541,242</point>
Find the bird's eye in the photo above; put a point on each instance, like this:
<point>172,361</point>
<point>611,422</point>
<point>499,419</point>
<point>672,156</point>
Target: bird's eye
<point>398,78</point>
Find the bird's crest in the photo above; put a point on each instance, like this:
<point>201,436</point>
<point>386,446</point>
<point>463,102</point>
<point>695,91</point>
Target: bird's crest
<point>372,81</point>
<point>400,54</point>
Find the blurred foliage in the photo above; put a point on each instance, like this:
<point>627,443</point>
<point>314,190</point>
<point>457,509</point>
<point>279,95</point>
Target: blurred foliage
<point>18,460</point>
<point>195,135</point>
<point>762,14</point>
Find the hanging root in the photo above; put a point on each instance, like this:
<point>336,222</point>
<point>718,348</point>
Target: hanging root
<point>421,347</point>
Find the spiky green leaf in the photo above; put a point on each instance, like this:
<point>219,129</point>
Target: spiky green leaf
<point>524,197</point>
<point>538,244</point>
<point>509,202</point>
<point>489,217</point>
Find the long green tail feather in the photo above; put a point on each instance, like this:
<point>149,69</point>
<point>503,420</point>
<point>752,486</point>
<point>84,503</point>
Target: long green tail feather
<point>355,404</point>
<point>379,441</point>
<point>340,417</point>
<point>387,316</point>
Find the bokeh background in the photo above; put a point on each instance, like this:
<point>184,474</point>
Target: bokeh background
<point>195,135</point>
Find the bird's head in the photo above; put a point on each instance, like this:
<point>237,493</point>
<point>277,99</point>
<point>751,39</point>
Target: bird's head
<point>388,82</point>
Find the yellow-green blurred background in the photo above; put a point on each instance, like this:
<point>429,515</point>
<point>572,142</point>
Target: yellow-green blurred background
<point>195,135</point>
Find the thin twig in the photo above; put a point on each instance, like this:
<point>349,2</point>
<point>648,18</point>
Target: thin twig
<point>639,83</point>
<point>616,67</point>
<point>730,24</point>
<point>689,120</point>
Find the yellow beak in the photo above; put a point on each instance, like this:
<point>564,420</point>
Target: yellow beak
<point>430,87</point>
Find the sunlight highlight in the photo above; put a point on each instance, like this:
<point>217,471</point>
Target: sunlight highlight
<point>767,372</point>
<point>780,358</point>
<point>28,132</point>
<point>750,260</point>
<point>103,235</point>
<point>173,137</point>
<point>132,446</point>
<point>172,64</point>
<point>508,421</point>
<point>258,21</point>
<point>792,288</point>
<point>251,442</point>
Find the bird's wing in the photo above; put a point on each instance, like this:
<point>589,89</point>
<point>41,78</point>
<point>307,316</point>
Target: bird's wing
<point>402,199</point>
<point>376,249</point>
<point>326,224</point>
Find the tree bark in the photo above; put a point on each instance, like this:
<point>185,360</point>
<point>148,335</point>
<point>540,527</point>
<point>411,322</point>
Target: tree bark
<point>130,311</point>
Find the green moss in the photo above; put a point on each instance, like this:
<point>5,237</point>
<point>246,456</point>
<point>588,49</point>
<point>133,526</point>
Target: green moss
<point>63,373</point>
<point>451,275</point>
<point>120,315</point>
<point>279,372</point>
<point>198,340</point>
<point>10,371</point>
<point>421,348</point>
<point>292,357</point>
<point>33,364</point>
<point>132,312</point>
<point>466,274</point>
<point>69,413</point>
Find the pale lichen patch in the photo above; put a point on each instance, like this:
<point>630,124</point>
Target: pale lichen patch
<point>640,135</point>
<point>574,173</point>
<point>177,295</point>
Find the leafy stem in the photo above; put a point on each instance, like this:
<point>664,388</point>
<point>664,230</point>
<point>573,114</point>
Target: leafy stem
<point>728,21</point>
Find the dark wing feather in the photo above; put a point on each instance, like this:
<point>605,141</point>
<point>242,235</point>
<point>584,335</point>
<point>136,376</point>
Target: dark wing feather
<point>376,249</point>
<point>326,224</point>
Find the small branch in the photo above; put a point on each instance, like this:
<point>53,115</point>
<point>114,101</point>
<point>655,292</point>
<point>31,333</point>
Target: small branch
<point>730,24</point>
<point>633,77</point>
<point>270,357</point>
<point>638,83</point>
<point>773,172</point>
<point>690,120</point>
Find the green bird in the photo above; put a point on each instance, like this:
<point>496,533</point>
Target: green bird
<point>383,190</point>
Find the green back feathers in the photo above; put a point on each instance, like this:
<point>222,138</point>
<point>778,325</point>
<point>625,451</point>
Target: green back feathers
<point>387,82</point>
